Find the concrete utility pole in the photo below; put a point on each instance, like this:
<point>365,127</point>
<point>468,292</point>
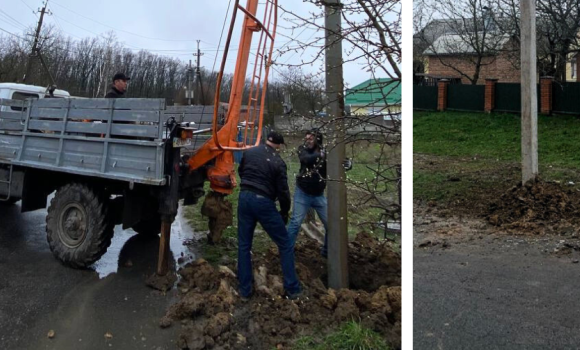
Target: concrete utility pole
<point>198,69</point>
<point>33,52</point>
<point>529,92</point>
<point>337,215</point>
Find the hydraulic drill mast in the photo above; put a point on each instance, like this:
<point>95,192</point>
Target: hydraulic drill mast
<point>224,140</point>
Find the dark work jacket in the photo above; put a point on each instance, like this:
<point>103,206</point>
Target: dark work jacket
<point>312,176</point>
<point>114,93</point>
<point>263,171</point>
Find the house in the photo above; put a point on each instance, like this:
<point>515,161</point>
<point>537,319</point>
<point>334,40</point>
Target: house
<point>469,50</point>
<point>453,55</point>
<point>380,96</point>
<point>572,67</point>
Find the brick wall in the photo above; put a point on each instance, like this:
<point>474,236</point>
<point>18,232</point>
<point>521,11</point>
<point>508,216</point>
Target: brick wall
<point>500,68</point>
<point>546,95</point>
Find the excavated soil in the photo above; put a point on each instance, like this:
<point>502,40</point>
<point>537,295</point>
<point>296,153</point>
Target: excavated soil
<point>536,208</point>
<point>213,316</point>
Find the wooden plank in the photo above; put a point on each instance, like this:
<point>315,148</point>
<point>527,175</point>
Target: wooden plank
<point>190,109</point>
<point>47,113</point>
<point>11,125</point>
<point>140,103</point>
<point>50,103</point>
<point>136,116</point>
<point>45,125</point>
<point>86,127</point>
<point>12,103</point>
<point>92,103</point>
<point>13,115</point>
<point>88,114</point>
<point>135,130</point>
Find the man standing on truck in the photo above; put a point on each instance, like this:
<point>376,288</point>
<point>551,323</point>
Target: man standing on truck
<point>117,90</point>
<point>263,176</point>
<point>310,185</point>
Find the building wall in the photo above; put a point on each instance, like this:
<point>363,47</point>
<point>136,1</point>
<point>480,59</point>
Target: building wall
<point>365,110</point>
<point>500,68</point>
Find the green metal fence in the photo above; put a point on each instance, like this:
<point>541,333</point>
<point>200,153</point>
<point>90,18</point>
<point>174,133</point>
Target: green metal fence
<point>466,97</point>
<point>425,97</point>
<point>566,98</point>
<point>508,97</point>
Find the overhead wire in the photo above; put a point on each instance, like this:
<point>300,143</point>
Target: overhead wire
<point>5,31</point>
<point>34,13</point>
<point>121,30</point>
<point>10,20</point>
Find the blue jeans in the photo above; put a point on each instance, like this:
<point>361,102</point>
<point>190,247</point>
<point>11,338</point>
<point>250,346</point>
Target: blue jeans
<point>302,203</point>
<point>253,208</point>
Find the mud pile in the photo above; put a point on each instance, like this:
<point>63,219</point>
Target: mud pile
<point>213,316</point>
<point>536,207</point>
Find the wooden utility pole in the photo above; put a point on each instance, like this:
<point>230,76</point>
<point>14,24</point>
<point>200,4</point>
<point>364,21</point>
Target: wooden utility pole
<point>33,52</point>
<point>337,215</point>
<point>529,91</point>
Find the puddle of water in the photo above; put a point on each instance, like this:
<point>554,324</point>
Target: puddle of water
<point>181,233</point>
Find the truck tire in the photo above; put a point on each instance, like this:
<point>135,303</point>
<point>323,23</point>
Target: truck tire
<point>77,225</point>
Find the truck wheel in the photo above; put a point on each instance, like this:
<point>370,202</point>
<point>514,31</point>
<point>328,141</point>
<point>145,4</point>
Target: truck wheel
<point>77,225</point>
<point>149,227</point>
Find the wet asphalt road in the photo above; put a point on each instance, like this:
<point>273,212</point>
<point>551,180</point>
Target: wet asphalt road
<point>480,297</point>
<point>39,294</point>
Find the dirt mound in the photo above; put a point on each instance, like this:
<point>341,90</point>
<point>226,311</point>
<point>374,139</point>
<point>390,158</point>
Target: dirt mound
<point>213,316</point>
<point>536,207</point>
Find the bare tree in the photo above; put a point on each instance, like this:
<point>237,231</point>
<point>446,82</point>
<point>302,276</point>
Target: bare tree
<point>371,32</point>
<point>558,26</point>
<point>463,36</point>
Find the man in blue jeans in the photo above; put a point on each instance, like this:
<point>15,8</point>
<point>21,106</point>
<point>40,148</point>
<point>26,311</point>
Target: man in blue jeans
<point>264,179</point>
<point>310,185</point>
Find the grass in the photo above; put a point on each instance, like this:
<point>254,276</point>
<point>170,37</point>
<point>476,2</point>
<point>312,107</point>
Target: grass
<point>350,336</point>
<point>495,136</point>
<point>360,215</point>
<point>473,156</point>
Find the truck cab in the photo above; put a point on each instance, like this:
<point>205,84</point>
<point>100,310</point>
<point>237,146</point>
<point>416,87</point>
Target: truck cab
<point>14,91</point>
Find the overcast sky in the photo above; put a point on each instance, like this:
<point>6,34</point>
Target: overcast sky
<point>169,27</point>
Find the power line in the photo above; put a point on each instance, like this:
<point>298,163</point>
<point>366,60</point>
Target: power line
<point>22,1</point>
<point>121,30</point>
<point>11,20</point>
<point>10,24</point>
<point>5,31</point>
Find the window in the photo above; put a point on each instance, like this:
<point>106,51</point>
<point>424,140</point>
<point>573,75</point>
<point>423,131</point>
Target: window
<point>574,68</point>
<point>23,96</point>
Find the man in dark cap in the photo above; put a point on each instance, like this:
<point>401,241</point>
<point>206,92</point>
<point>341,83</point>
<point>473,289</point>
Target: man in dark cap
<point>263,180</point>
<point>119,86</point>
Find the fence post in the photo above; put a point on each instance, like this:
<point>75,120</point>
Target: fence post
<point>442,86</point>
<point>577,66</point>
<point>489,104</point>
<point>546,95</point>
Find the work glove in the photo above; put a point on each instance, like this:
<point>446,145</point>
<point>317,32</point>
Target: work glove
<point>284,217</point>
<point>347,164</point>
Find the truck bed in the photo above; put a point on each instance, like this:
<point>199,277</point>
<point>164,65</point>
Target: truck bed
<point>119,139</point>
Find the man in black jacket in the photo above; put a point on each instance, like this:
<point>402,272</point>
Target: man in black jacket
<point>310,185</point>
<point>119,86</point>
<point>263,180</point>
